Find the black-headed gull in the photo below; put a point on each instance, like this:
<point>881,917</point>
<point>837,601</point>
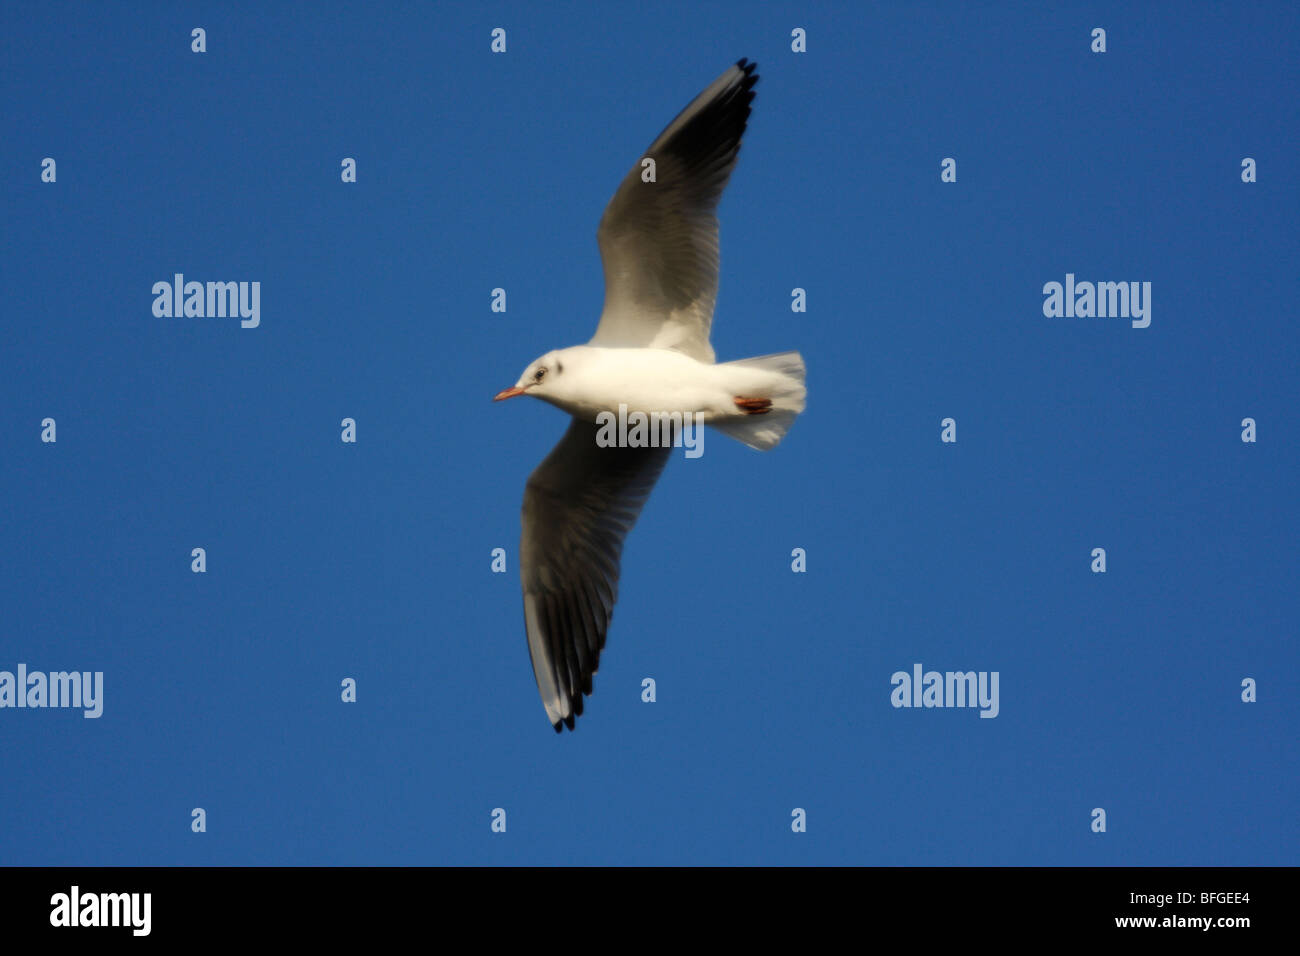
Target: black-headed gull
<point>651,353</point>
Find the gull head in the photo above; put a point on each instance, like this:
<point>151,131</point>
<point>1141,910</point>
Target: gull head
<point>544,378</point>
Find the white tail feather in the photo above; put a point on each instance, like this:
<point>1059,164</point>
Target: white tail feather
<point>779,377</point>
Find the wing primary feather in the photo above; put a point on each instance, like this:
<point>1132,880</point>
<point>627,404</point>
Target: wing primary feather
<point>579,505</point>
<point>659,238</point>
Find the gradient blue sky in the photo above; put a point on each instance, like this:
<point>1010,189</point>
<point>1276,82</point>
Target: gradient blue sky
<point>372,560</point>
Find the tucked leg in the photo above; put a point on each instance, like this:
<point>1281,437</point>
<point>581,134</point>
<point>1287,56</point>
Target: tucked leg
<point>753,406</point>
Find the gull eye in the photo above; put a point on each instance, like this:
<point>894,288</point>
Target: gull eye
<point>540,374</point>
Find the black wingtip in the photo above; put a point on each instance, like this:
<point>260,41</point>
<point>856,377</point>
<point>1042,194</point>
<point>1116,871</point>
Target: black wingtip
<point>749,68</point>
<point>558,727</point>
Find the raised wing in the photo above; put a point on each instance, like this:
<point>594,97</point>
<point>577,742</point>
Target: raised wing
<point>579,505</point>
<point>659,240</point>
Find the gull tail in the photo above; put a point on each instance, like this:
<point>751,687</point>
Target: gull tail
<point>769,393</point>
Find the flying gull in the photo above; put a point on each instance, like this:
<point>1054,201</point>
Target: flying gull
<point>659,245</point>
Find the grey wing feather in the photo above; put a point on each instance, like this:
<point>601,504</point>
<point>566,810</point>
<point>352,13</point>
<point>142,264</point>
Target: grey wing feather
<point>579,505</point>
<point>659,240</point>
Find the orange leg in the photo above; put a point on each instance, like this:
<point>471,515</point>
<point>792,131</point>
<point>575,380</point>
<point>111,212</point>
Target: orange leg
<point>754,406</point>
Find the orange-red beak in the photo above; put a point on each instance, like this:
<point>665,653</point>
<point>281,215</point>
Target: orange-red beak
<point>508,393</point>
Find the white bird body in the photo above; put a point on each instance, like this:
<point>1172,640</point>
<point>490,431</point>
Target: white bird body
<point>585,380</point>
<point>650,354</point>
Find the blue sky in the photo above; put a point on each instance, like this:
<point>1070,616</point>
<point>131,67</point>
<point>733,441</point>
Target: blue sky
<point>372,560</point>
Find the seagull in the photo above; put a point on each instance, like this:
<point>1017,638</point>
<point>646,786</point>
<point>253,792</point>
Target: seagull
<point>658,243</point>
